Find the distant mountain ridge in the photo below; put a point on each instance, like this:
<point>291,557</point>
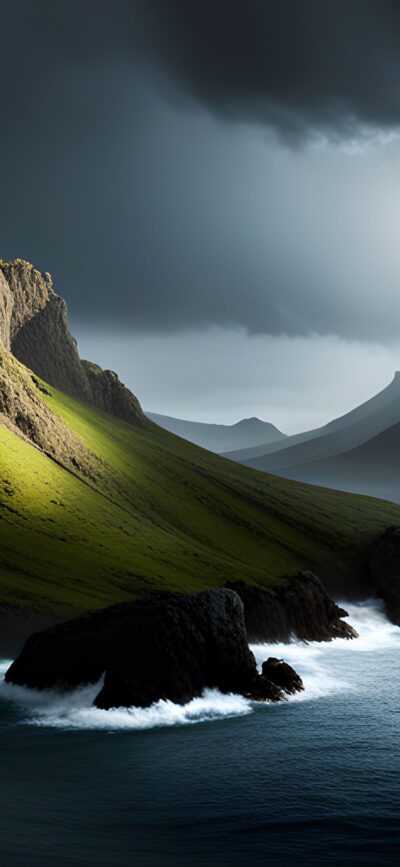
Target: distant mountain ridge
<point>372,468</point>
<point>220,437</point>
<point>347,431</point>
<point>357,452</point>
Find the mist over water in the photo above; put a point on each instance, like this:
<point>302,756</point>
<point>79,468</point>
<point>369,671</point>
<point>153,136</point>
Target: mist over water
<point>310,781</point>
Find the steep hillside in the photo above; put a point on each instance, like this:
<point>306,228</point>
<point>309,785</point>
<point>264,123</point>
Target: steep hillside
<point>24,412</point>
<point>99,504</point>
<point>221,437</point>
<point>160,513</point>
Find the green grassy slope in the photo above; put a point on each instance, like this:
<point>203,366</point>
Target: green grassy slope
<point>162,513</point>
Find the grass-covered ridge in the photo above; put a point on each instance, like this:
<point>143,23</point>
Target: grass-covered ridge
<point>161,513</point>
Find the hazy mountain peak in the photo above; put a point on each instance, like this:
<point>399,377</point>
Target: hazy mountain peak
<point>253,421</point>
<point>221,437</point>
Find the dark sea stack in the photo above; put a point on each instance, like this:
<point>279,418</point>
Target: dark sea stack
<point>299,607</point>
<point>282,675</point>
<point>385,571</point>
<point>164,646</point>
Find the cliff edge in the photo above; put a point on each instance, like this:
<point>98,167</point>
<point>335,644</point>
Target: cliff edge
<point>34,327</point>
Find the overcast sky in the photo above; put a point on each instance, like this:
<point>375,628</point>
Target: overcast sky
<point>215,186</point>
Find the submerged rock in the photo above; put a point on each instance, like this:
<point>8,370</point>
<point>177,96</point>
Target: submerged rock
<point>164,646</point>
<point>299,607</point>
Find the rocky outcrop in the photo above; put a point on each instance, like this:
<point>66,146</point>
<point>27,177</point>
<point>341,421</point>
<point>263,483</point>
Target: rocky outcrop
<point>34,327</point>
<point>164,646</point>
<point>385,571</point>
<point>45,345</point>
<point>30,291</point>
<point>301,607</point>
<point>282,675</point>
<point>111,395</point>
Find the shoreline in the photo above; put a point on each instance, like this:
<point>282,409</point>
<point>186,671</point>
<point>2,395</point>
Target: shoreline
<point>73,710</point>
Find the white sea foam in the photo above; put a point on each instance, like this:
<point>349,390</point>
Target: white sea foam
<point>75,710</point>
<point>325,668</point>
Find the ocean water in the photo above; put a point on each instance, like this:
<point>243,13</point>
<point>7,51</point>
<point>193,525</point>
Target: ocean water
<point>312,781</point>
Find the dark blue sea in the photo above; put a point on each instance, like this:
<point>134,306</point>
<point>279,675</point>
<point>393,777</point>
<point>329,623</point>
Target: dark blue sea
<point>313,781</point>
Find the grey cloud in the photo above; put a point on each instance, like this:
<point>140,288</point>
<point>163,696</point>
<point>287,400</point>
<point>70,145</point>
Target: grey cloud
<point>296,64</point>
<point>154,218</point>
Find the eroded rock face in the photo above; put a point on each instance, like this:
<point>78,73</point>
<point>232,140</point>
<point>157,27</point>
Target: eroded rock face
<point>34,327</point>
<point>30,290</point>
<point>301,607</point>
<point>6,306</point>
<point>385,571</point>
<point>164,646</point>
<point>111,395</point>
<point>45,345</point>
<point>282,675</point>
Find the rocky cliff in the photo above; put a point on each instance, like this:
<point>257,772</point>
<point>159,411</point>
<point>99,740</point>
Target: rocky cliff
<point>163,646</point>
<point>109,394</point>
<point>300,607</point>
<point>34,327</point>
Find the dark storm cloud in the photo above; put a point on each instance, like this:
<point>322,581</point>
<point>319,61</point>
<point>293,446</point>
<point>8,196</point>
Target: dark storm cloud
<point>297,64</point>
<point>151,212</point>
